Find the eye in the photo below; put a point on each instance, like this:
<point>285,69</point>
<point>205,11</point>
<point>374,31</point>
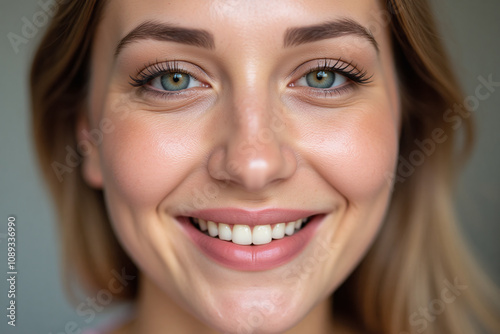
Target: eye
<point>168,78</point>
<point>174,81</point>
<point>322,79</point>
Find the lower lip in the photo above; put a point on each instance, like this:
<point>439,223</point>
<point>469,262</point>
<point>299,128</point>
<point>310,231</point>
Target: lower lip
<point>253,258</point>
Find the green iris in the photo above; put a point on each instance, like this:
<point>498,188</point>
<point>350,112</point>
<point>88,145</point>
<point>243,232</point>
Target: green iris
<point>320,79</point>
<point>175,81</point>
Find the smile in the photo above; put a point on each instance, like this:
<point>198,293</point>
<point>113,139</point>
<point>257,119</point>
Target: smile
<point>246,235</point>
<point>251,240</point>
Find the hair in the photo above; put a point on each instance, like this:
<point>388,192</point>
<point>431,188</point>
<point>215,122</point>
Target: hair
<point>419,247</point>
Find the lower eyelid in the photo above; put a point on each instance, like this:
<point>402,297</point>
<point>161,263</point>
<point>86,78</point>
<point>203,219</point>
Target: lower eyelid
<point>332,93</point>
<point>341,90</point>
<point>163,94</point>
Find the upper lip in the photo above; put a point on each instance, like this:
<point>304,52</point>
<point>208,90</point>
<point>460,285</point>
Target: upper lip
<point>251,217</point>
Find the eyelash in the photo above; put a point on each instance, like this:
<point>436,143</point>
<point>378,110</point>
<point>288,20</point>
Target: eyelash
<point>340,67</point>
<point>155,70</point>
<point>348,70</point>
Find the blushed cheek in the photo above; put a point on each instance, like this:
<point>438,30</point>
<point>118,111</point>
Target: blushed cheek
<point>359,154</point>
<point>143,160</point>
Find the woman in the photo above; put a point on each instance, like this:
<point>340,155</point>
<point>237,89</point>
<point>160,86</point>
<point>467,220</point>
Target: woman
<point>229,166</point>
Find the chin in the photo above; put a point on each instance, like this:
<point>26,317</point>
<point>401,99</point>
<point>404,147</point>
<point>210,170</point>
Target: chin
<point>259,310</point>
<point>255,321</point>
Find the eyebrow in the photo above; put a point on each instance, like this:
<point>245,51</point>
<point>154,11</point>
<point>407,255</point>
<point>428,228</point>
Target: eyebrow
<point>332,29</point>
<point>153,30</point>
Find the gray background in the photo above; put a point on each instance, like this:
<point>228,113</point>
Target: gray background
<point>472,30</point>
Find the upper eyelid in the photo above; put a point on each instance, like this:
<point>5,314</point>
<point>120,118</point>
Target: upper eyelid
<point>147,73</point>
<point>347,69</point>
<point>325,63</point>
<point>154,70</point>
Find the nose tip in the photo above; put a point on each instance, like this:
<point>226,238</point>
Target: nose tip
<point>252,150</point>
<point>253,167</point>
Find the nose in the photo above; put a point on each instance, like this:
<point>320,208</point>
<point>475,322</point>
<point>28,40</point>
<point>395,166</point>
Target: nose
<point>254,152</point>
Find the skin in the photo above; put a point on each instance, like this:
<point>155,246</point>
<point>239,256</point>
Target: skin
<point>303,149</point>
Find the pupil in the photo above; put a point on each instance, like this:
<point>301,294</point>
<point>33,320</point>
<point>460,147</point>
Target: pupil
<point>177,77</point>
<point>321,75</point>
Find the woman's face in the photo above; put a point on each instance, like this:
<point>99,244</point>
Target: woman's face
<point>251,115</point>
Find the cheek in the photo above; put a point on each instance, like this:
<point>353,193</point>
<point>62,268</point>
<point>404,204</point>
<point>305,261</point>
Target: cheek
<point>143,159</point>
<point>357,151</point>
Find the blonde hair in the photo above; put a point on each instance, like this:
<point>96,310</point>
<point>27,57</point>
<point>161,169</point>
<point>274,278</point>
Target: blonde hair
<point>419,251</point>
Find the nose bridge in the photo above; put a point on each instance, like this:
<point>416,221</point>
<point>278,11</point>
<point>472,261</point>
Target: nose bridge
<point>254,153</point>
<point>251,112</point>
<point>252,95</point>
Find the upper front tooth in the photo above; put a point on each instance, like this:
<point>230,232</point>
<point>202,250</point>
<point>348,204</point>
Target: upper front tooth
<point>298,224</point>
<point>261,234</point>
<point>212,229</point>
<point>242,235</point>
<point>290,228</point>
<point>279,231</point>
<point>225,232</point>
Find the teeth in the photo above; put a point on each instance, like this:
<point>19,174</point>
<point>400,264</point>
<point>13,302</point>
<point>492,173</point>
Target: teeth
<point>244,235</point>
<point>203,225</point>
<point>290,228</point>
<point>212,229</point>
<point>279,231</point>
<point>261,235</point>
<point>225,232</point>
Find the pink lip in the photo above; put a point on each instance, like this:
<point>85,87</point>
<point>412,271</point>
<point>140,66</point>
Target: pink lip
<point>245,217</point>
<point>252,258</point>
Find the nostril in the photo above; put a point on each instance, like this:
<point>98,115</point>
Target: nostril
<point>252,166</point>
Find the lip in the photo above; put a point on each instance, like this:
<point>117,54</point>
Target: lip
<point>251,218</point>
<point>252,257</point>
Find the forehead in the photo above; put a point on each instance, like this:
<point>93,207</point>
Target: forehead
<point>229,19</point>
